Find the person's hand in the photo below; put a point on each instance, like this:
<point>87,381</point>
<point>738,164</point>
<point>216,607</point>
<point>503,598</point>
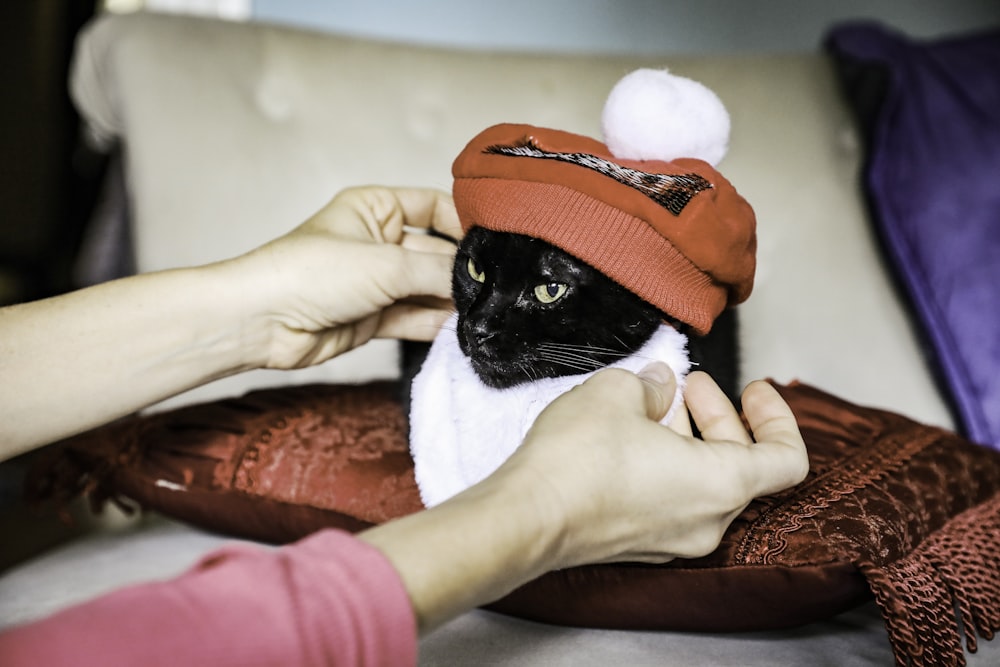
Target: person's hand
<point>353,271</point>
<point>359,268</point>
<point>621,487</point>
<point>598,479</point>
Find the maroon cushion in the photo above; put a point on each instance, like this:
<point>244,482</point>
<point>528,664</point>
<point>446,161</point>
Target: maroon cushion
<point>273,465</point>
<point>908,512</point>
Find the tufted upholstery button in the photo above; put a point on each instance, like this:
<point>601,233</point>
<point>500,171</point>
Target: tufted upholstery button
<point>273,103</point>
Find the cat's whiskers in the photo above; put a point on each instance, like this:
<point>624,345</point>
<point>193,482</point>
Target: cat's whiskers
<point>583,358</point>
<point>588,349</point>
<point>578,362</point>
<point>577,367</point>
<point>569,354</point>
<point>529,371</point>
<point>618,338</point>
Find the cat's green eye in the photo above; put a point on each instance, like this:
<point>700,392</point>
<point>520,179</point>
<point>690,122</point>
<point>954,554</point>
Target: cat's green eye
<point>550,292</point>
<point>474,272</point>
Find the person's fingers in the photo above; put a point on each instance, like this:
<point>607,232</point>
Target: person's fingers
<point>681,421</point>
<point>383,215</point>
<point>767,413</point>
<point>410,321</point>
<point>660,385</point>
<point>712,411</point>
<point>774,466</point>
<point>424,274</point>
<point>615,391</point>
<point>779,455</point>
<point>360,214</point>
<point>429,208</point>
<point>423,242</point>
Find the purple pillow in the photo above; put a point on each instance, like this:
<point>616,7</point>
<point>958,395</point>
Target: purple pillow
<point>930,112</point>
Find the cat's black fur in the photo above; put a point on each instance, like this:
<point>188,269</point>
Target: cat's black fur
<point>511,336</point>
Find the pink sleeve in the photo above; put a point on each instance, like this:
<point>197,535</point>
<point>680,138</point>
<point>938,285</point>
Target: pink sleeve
<point>329,599</point>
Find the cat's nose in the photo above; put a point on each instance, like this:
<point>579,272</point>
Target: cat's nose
<point>481,337</point>
<point>481,334</point>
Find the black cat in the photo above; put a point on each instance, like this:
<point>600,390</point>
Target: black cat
<point>528,310</point>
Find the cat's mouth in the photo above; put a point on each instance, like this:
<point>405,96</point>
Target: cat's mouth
<point>499,376</point>
<point>495,370</point>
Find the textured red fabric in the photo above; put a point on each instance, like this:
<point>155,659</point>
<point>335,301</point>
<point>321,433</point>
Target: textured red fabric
<point>328,600</point>
<point>691,261</point>
<point>272,465</point>
<point>908,512</point>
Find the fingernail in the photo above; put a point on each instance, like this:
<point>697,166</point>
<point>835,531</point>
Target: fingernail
<point>657,372</point>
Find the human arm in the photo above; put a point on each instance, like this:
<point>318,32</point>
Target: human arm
<point>597,479</point>
<point>350,273</point>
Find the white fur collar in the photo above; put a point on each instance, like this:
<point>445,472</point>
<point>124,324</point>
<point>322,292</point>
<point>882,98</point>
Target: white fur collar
<point>461,430</point>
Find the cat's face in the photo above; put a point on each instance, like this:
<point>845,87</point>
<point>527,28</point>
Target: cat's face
<point>528,310</point>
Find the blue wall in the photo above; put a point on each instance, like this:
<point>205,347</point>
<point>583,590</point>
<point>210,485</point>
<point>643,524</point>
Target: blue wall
<point>624,26</point>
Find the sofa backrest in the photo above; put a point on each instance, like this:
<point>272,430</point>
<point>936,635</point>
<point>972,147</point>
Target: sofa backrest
<point>234,133</point>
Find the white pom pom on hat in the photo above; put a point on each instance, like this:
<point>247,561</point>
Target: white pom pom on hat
<point>652,114</point>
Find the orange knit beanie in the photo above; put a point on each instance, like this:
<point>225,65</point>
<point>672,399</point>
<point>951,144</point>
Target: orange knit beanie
<point>673,230</point>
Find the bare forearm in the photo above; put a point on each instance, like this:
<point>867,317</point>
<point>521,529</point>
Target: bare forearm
<point>78,360</point>
<point>329,285</point>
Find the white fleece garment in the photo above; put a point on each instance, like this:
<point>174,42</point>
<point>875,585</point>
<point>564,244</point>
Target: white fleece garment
<point>462,430</point>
